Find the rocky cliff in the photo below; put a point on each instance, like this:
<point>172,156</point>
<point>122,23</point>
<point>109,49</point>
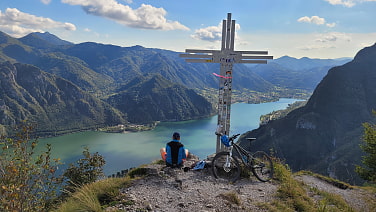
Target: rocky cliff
<point>325,134</point>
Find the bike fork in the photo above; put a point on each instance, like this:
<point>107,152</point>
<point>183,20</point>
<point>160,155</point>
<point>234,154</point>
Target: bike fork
<point>228,159</point>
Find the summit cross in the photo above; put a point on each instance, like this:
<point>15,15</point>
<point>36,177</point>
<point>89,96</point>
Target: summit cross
<point>226,57</point>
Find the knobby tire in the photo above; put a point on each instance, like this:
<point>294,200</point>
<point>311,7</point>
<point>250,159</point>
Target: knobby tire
<point>231,173</point>
<point>262,166</point>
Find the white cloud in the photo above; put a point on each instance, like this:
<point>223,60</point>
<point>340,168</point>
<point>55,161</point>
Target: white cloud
<point>145,17</point>
<point>325,41</point>
<point>211,33</point>
<point>331,25</point>
<point>347,3</point>
<point>45,1</point>
<point>315,20</point>
<point>18,23</point>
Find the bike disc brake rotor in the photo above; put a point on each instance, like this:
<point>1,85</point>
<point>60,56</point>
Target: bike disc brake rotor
<point>227,166</point>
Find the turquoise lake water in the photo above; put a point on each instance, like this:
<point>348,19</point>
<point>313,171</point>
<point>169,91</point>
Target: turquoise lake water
<point>125,150</point>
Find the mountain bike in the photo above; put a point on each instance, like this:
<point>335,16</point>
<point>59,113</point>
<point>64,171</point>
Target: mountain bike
<point>226,164</point>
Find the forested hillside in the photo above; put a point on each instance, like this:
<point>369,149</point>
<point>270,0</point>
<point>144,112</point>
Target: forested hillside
<point>54,104</point>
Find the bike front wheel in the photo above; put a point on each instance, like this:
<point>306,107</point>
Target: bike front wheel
<point>226,167</point>
<point>262,166</point>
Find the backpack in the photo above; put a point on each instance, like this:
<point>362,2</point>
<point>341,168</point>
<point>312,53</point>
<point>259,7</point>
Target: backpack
<point>175,147</point>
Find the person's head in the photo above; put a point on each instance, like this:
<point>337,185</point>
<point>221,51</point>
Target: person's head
<point>176,136</point>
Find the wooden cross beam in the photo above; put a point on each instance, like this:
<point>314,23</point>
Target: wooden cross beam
<point>226,57</point>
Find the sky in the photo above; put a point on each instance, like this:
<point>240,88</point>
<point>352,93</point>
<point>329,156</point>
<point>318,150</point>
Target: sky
<point>297,28</point>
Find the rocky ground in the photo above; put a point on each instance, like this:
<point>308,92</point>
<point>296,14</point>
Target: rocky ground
<point>165,189</point>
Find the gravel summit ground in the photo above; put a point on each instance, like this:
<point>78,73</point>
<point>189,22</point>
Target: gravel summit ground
<point>165,189</point>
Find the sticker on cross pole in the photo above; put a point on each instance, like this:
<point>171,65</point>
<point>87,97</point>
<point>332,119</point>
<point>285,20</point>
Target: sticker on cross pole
<point>221,76</point>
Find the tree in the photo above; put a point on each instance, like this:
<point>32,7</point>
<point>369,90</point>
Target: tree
<point>368,171</point>
<point>27,180</point>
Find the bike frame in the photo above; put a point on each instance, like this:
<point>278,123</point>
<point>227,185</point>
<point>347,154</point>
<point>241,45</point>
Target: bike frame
<point>241,152</point>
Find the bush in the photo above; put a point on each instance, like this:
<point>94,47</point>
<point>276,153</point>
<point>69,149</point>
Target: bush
<point>28,181</point>
<point>86,170</point>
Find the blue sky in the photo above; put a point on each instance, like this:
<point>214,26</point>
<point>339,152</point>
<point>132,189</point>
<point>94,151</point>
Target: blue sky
<point>298,28</point>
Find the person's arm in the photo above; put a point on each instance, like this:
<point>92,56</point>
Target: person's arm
<point>182,155</point>
<point>168,156</point>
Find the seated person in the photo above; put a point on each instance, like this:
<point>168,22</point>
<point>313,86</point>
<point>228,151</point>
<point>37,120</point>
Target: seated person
<point>174,154</point>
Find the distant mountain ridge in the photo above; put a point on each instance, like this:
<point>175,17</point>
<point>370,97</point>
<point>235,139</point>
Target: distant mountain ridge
<point>105,71</point>
<point>304,73</point>
<point>324,135</point>
<point>306,63</point>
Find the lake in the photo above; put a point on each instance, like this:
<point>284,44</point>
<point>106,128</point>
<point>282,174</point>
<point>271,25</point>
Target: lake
<point>125,150</point>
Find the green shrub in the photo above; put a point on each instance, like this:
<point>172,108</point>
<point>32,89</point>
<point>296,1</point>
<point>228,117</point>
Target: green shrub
<point>86,170</point>
<point>138,172</point>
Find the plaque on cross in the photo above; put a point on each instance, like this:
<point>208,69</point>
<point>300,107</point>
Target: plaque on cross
<point>226,57</point>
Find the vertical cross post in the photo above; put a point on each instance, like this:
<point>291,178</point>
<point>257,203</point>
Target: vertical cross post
<point>226,57</point>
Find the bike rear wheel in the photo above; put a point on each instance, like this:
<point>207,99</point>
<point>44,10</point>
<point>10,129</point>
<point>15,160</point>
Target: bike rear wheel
<point>262,166</point>
<point>226,167</point>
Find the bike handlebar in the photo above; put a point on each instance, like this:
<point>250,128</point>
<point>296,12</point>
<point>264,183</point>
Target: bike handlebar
<point>233,137</point>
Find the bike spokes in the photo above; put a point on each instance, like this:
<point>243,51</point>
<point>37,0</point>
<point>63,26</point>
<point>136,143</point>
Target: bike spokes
<point>225,167</point>
<point>262,166</point>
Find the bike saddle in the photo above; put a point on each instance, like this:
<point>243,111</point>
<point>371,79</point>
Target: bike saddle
<point>250,139</point>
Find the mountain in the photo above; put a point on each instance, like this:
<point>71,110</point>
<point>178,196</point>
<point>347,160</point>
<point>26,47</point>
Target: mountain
<point>43,40</point>
<point>11,49</point>
<point>119,65</point>
<point>304,73</point>
<point>55,104</point>
<point>153,98</point>
<point>325,134</point>
<point>306,63</point>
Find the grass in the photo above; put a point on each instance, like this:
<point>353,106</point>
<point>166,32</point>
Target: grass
<point>335,182</point>
<point>95,196</point>
<point>332,202</point>
<point>292,195</point>
<point>138,172</point>
<point>231,197</point>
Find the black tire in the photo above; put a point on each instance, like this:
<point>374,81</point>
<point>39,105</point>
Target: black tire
<point>231,173</point>
<point>262,166</point>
